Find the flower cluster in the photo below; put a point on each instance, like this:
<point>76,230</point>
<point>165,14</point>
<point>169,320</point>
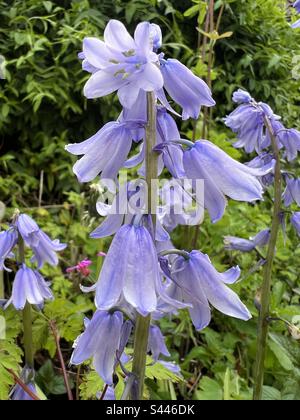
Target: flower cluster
<point>252,122</point>
<point>142,274</point>
<point>29,285</point>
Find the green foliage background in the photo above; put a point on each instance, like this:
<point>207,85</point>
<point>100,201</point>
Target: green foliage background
<point>42,109</point>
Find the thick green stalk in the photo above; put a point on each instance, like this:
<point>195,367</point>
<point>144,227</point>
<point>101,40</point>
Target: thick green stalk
<point>263,326</point>
<point>27,318</point>
<point>143,323</point>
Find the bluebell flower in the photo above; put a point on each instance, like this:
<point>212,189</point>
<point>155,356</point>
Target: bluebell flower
<point>100,340</point>
<point>19,394</point>
<point>8,240</point>
<point>241,97</point>
<point>266,163</point>
<point>296,24</point>
<point>130,269</point>
<point>246,245</point>
<point>29,286</point>
<point>110,394</point>
<point>104,153</point>
<point>186,89</point>
<point>156,343</point>
<point>172,154</point>
<point>292,192</point>
<point>296,5</point>
<point>247,121</point>
<point>290,140</point>
<point>199,283</point>
<point>124,64</point>
<point>44,249</point>
<point>295,220</point>
<point>223,176</point>
<point>171,366</point>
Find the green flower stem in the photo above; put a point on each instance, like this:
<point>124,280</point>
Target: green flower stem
<point>27,318</point>
<point>1,285</point>
<point>263,324</point>
<point>143,323</point>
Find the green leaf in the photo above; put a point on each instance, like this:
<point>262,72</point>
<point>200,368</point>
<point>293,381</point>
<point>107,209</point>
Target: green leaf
<point>271,394</point>
<point>192,11</point>
<point>92,384</point>
<point>10,358</point>
<point>210,390</point>
<point>281,355</point>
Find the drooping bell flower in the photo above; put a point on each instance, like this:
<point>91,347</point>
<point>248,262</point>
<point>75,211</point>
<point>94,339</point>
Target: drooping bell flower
<point>19,394</point>
<point>29,286</point>
<point>290,140</point>
<point>296,5</point>
<point>295,220</point>
<point>124,63</point>
<point>248,122</point>
<point>44,249</point>
<point>223,176</point>
<point>171,366</point>
<point>100,340</point>
<point>241,97</point>
<point>156,343</point>
<point>8,240</point>
<point>131,270</point>
<point>292,192</point>
<point>186,89</point>
<point>247,245</point>
<point>266,163</point>
<point>200,284</point>
<point>104,153</point>
<point>27,377</point>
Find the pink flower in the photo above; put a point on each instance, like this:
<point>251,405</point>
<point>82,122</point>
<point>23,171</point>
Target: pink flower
<point>101,254</point>
<point>81,267</point>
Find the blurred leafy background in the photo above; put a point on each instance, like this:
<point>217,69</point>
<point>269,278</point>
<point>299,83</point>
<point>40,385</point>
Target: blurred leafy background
<point>42,109</point>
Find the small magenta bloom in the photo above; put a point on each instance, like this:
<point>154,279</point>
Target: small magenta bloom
<point>29,286</point>
<point>186,89</point>
<point>123,63</point>
<point>292,192</point>
<point>104,153</point>
<point>247,245</point>
<point>131,270</point>
<point>223,176</point>
<point>44,249</point>
<point>8,240</point>
<point>199,283</point>
<point>100,341</point>
<point>156,344</point>
<point>82,267</point>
